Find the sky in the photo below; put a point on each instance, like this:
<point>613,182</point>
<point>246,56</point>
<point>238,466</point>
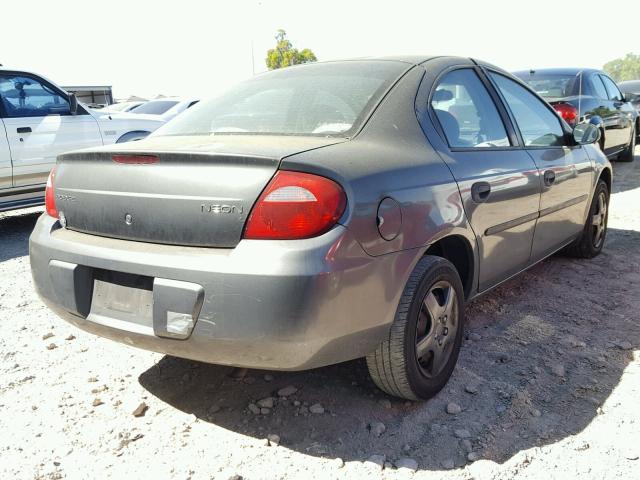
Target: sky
<point>198,48</point>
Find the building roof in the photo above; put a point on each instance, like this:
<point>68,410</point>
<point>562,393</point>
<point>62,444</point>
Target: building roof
<point>557,71</point>
<point>87,88</point>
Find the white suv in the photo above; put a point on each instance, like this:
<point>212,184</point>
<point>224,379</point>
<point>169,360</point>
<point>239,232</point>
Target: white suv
<point>39,121</point>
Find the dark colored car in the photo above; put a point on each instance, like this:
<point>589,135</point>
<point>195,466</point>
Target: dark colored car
<point>589,95</point>
<point>320,213</point>
<point>631,90</point>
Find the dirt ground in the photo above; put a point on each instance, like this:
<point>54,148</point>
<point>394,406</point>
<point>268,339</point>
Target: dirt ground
<point>548,383</point>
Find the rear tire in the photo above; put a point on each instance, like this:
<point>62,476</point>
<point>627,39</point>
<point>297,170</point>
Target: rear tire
<point>421,351</point>
<point>591,241</point>
<point>628,153</point>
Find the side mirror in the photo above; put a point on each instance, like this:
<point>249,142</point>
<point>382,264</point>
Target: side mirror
<point>586,133</point>
<point>73,104</point>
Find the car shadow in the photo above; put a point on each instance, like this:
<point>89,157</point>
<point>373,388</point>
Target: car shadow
<point>625,174</point>
<point>535,367</point>
<point>15,228</point>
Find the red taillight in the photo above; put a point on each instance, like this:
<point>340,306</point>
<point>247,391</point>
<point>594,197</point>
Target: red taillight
<point>568,112</point>
<point>296,205</point>
<point>49,195</point>
<point>135,159</point>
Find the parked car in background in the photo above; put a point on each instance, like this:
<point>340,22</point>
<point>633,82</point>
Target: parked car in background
<point>121,107</point>
<point>631,90</point>
<point>39,121</point>
<point>166,108</point>
<point>320,213</point>
<point>583,94</point>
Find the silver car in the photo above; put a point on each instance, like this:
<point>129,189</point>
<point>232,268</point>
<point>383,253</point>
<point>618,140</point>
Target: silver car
<point>322,213</point>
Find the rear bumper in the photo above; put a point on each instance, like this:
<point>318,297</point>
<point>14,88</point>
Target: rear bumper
<point>285,305</point>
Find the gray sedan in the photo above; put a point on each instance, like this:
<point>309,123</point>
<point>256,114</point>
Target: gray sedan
<point>322,213</point>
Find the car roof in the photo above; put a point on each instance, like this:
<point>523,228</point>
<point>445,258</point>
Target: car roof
<point>630,84</point>
<point>557,71</point>
<point>410,59</point>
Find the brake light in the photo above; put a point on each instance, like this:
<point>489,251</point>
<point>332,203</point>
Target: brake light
<point>568,112</point>
<point>135,159</point>
<point>296,205</point>
<point>49,195</point>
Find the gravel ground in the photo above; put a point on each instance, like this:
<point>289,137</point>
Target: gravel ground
<point>547,386</point>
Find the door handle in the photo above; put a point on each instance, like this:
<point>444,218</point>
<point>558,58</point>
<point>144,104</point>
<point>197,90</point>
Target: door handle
<point>480,192</point>
<point>24,130</point>
<point>549,177</point>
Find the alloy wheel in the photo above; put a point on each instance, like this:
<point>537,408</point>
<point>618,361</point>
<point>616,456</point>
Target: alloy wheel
<point>438,321</point>
<point>599,220</point>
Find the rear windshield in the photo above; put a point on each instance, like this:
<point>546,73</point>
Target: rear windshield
<point>156,107</point>
<point>330,99</point>
<point>551,85</point>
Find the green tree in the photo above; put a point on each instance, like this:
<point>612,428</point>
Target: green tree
<point>285,55</point>
<point>627,68</point>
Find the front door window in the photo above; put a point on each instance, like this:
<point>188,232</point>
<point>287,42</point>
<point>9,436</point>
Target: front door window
<point>24,96</point>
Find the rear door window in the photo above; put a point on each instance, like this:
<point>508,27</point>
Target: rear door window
<point>538,124</point>
<point>466,112</point>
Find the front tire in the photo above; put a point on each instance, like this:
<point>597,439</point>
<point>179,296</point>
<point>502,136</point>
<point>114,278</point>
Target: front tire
<point>421,351</point>
<point>591,241</point>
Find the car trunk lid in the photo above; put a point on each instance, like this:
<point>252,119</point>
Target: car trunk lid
<point>192,191</point>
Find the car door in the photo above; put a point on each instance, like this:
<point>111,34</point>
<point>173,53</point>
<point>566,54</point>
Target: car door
<point>5,159</point>
<point>620,127</point>
<point>565,170</point>
<point>498,181</point>
<point>39,126</point>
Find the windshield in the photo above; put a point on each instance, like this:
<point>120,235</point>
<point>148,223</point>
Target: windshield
<point>317,99</point>
<point>180,107</point>
<point>155,107</point>
<point>552,85</point>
